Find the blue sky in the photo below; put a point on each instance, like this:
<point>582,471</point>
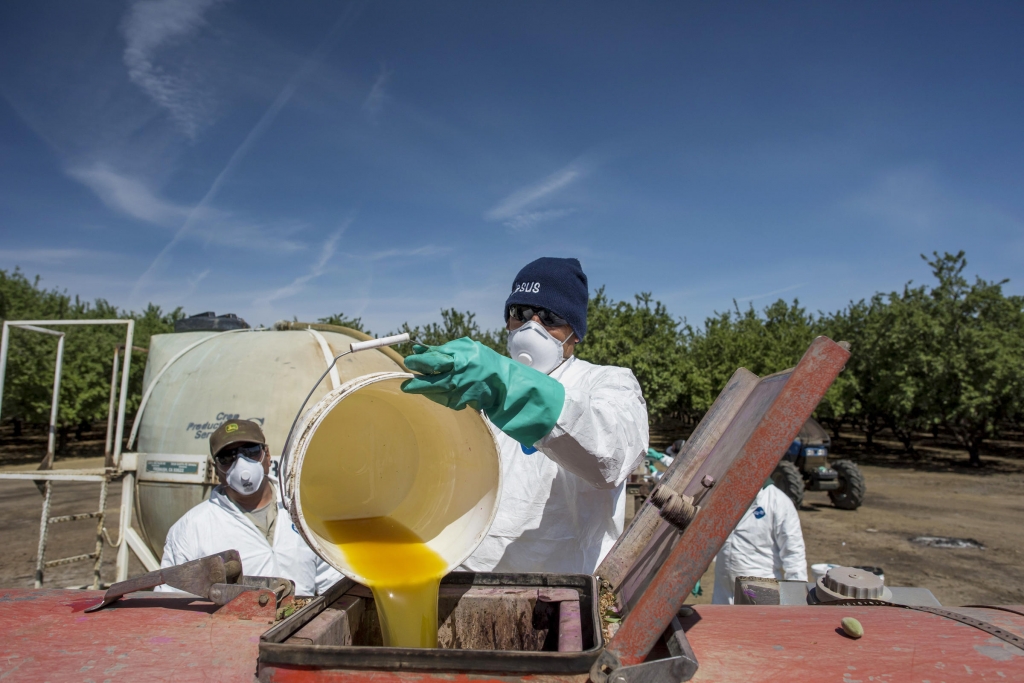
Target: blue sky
<point>388,159</point>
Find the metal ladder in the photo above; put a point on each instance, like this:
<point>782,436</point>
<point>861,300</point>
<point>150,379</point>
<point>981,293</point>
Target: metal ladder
<point>45,476</point>
<point>44,527</point>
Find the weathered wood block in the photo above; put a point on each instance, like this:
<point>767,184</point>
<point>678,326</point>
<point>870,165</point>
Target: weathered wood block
<point>517,619</point>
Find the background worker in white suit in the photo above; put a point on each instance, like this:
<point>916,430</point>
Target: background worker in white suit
<point>767,543</point>
<point>246,513</point>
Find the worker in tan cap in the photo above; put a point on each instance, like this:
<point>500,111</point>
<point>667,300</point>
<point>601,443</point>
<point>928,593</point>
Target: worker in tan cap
<point>246,513</point>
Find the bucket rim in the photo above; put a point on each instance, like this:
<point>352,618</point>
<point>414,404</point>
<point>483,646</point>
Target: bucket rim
<point>296,448</point>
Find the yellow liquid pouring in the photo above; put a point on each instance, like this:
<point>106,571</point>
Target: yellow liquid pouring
<point>400,569</point>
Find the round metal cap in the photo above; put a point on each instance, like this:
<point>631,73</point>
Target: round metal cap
<point>850,583</point>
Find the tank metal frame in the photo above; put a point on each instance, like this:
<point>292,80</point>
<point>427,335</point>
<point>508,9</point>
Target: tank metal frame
<point>114,469</point>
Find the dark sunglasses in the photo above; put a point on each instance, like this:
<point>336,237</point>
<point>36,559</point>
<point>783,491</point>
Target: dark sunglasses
<point>227,457</point>
<point>525,314</point>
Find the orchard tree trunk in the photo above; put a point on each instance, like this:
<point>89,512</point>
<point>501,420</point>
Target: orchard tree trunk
<point>974,451</point>
<point>62,440</point>
<point>17,427</point>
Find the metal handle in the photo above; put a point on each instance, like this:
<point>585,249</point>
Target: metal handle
<point>355,346</point>
<point>377,343</point>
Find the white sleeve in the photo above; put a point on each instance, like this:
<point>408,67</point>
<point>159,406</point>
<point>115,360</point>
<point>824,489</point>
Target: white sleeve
<point>326,575</point>
<point>175,552</point>
<point>789,538</point>
<point>602,432</point>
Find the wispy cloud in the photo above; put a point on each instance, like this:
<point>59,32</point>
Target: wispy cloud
<point>153,25</point>
<point>774,292</point>
<point>906,198</point>
<point>427,250</point>
<point>524,221</point>
<point>311,63</point>
<point>132,197</point>
<point>317,269</point>
<point>918,200</point>
<point>52,257</point>
<point>127,194</point>
<point>192,284</point>
<point>374,101</point>
<point>514,211</point>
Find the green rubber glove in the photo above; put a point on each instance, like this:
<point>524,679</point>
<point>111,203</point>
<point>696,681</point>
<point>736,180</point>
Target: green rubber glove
<point>651,453</point>
<point>523,403</point>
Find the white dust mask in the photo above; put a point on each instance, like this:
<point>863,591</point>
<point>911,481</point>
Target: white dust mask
<point>534,346</point>
<point>245,476</point>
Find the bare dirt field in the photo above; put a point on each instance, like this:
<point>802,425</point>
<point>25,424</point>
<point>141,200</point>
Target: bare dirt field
<point>20,508</point>
<point>932,493</point>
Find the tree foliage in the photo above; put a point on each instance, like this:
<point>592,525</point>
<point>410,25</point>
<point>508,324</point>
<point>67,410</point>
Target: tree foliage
<point>454,325</point>
<point>642,336</point>
<point>88,353</point>
<point>947,355</point>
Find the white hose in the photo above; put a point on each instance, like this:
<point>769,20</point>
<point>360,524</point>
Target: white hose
<point>377,343</point>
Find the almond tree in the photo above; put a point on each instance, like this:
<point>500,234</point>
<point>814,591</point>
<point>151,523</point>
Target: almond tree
<point>975,354</point>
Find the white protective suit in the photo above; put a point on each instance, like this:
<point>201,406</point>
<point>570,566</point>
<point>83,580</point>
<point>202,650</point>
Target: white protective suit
<point>217,524</point>
<point>563,506</point>
<point>767,543</point>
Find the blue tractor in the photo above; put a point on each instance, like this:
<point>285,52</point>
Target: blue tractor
<point>806,467</point>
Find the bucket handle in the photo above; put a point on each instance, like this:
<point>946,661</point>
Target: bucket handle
<point>352,348</point>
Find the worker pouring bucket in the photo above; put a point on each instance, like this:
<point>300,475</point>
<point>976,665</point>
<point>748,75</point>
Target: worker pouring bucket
<point>368,450</point>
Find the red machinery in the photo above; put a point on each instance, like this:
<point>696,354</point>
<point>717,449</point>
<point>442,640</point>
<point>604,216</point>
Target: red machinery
<point>543,627</point>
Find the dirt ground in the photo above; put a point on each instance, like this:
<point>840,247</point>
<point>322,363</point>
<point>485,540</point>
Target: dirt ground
<point>20,507</point>
<point>932,493</point>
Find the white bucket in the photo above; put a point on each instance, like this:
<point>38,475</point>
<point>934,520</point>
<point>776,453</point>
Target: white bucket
<point>367,449</point>
<point>819,570</point>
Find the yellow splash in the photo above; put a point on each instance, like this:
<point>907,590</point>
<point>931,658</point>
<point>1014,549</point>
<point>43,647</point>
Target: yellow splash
<point>400,569</point>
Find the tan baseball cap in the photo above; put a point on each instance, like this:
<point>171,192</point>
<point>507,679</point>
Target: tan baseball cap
<point>233,432</point>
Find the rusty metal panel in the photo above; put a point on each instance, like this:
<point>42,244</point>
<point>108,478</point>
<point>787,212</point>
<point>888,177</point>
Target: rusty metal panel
<point>286,674</point>
<point>46,636</point>
<point>742,459</point>
<point>489,623</point>
<point>636,541</point>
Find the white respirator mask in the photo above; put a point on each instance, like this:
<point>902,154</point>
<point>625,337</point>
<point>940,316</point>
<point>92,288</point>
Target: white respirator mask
<point>533,346</point>
<point>245,476</point>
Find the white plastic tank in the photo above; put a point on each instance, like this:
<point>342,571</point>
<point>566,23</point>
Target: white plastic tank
<point>195,381</point>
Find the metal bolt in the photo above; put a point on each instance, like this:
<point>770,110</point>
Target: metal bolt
<point>708,481</point>
<point>264,599</point>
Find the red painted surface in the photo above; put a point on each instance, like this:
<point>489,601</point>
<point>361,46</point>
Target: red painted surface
<point>247,606</point>
<point>762,431</point>
<point>747,643</point>
<point>737,644</point>
<point>45,636</point>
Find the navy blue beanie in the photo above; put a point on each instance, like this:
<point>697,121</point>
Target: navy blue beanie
<point>557,284</point>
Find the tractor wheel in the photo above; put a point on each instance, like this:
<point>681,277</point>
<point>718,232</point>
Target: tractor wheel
<point>850,493</point>
<point>787,477</point>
